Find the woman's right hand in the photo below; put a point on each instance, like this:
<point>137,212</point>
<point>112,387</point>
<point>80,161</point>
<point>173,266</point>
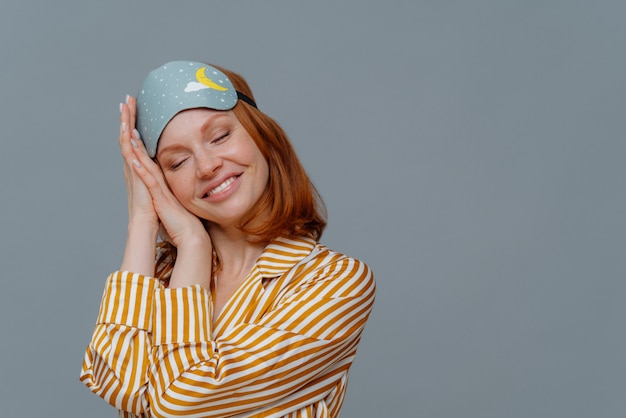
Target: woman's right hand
<point>140,206</point>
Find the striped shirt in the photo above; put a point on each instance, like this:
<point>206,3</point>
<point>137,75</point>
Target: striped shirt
<point>281,347</point>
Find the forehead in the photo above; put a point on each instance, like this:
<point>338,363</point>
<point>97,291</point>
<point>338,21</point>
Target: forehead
<point>191,120</point>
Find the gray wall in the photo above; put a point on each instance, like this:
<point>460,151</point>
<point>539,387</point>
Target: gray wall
<point>472,152</point>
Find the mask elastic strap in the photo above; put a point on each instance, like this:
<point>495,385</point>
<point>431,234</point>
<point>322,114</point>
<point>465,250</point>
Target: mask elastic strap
<point>246,99</point>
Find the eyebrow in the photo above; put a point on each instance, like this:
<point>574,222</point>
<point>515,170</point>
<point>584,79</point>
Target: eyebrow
<point>209,120</point>
<point>167,149</point>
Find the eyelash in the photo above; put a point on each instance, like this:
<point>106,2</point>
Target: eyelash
<point>176,165</point>
<point>219,139</point>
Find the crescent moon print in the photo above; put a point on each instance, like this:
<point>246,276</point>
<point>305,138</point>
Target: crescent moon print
<point>204,82</point>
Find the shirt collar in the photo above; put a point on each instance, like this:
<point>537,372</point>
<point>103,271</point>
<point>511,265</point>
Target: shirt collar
<point>281,254</point>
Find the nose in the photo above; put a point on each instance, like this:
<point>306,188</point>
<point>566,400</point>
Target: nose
<point>207,164</point>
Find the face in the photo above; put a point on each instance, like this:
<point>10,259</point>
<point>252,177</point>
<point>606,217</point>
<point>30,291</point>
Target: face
<point>212,165</point>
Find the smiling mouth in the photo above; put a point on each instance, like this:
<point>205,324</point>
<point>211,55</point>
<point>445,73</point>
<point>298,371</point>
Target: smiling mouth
<point>221,187</point>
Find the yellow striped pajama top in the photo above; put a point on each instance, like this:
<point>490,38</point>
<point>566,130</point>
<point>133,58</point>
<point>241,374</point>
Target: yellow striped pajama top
<point>281,347</point>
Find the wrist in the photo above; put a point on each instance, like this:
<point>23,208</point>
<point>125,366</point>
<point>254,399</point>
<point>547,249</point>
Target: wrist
<point>143,224</point>
<point>194,261</point>
<point>196,242</point>
<point>140,251</point>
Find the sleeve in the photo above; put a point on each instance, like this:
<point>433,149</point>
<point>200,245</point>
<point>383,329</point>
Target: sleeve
<point>117,358</point>
<point>290,355</point>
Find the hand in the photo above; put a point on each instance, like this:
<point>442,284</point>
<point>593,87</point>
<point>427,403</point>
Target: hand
<point>140,207</point>
<point>149,194</point>
<point>151,204</point>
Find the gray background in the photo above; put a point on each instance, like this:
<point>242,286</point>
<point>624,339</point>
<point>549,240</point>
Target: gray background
<point>472,152</point>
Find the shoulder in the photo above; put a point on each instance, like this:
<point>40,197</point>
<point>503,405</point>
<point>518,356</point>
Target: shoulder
<point>306,261</point>
<point>346,275</point>
<point>343,263</point>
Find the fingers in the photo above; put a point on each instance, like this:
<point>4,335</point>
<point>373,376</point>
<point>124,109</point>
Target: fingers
<point>132,147</point>
<point>132,107</point>
<point>125,129</point>
<point>130,104</point>
<point>139,199</point>
<point>147,170</point>
<point>151,176</point>
<point>141,157</point>
<point>128,114</point>
<point>129,136</point>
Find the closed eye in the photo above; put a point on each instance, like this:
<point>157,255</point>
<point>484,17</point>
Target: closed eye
<point>221,138</point>
<point>177,164</point>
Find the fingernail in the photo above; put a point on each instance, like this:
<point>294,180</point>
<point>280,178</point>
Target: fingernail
<point>121,105</point>
<point>136,133</point>
<point>127,98</point>
<point>123,127</point>
<point>134,144</point>
<point>136,164</point>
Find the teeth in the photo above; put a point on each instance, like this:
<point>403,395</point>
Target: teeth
<point>222,186</point>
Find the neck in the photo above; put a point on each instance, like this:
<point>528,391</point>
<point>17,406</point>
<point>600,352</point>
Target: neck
<point>236,251</point>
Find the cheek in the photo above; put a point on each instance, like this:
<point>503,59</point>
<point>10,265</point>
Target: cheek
<point>180,188</point>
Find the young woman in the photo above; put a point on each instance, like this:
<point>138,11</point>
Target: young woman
<point>243,313</point>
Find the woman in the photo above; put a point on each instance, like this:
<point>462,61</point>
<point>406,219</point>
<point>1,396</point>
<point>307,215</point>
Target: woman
<point>243,313</point>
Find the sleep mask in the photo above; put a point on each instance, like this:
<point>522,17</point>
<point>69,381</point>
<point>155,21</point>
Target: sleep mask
<point>178,86</point>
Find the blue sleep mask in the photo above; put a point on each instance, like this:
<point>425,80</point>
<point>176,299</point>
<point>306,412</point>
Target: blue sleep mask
<point>178,86</point>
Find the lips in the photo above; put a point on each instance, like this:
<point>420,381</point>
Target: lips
<point>221,187</point>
